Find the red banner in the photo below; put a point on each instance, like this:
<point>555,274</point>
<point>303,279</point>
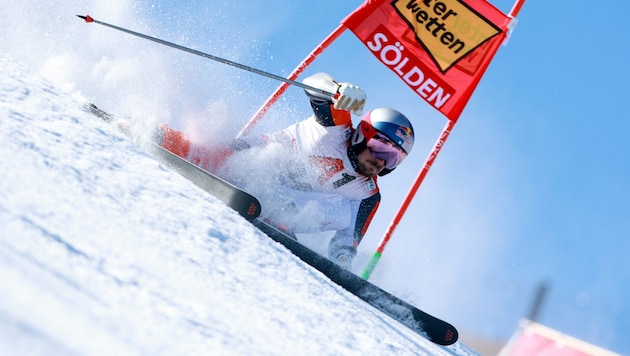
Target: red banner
<point>536,339</point>
<point>439,48</point>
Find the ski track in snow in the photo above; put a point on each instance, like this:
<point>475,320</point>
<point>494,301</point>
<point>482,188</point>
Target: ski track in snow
<point>105,251</point>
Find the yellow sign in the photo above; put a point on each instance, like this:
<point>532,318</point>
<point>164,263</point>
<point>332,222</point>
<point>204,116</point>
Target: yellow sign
<point>447,29</point>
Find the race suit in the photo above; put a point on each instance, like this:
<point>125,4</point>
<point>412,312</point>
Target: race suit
<point>348,200</point>
<point>345,201</point>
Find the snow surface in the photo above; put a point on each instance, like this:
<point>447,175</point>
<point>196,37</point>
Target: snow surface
<point>103,251</point>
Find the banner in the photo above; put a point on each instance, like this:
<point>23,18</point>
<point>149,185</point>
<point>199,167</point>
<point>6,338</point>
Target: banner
<point>439,48</point>
<point>535,339</point>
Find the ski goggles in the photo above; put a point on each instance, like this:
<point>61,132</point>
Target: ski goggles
<point>383,148</point>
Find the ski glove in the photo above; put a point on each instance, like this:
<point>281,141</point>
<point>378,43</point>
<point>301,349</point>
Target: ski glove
<point>350,98</point>
<point>344,261</point>
<point>341,255</point>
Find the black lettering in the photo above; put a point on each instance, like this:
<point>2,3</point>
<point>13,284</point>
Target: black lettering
<point>422,16</point>
<point>439,8</point>
<point>449,13</point>
<point>457,43</point>
<point>413,6</point>
<point>433,24</point>
<point>346,178</point>
<point>447,38</point>
<point>439,26</point>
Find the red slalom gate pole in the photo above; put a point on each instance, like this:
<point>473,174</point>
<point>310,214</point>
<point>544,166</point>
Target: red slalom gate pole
<point>516,8</point>
<point>408,198</point>
<point>425,169</point>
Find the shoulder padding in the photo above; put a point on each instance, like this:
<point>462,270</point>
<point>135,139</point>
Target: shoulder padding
<point>321,81</point>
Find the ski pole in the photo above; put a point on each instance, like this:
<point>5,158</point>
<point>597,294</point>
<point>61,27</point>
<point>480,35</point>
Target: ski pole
<point>89,19</point>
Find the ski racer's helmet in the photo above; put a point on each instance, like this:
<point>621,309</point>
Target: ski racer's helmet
<point>387,133</point>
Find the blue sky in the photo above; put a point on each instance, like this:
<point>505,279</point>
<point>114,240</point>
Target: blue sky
<point>531,186</point>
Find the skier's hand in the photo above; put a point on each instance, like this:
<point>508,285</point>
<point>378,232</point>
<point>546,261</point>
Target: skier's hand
<point>350,98</point>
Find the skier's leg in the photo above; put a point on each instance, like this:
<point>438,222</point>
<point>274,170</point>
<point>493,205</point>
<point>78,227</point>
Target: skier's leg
<point>209,158</point>
<point>174,141</point>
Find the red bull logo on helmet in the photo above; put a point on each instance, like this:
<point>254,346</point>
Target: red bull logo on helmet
<point>406,134</point>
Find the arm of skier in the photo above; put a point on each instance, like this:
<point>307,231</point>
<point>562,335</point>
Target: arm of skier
<point>345,242</point>
<point>332,111</point>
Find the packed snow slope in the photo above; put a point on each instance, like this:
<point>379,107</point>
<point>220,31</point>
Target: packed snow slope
<point>105,251</point>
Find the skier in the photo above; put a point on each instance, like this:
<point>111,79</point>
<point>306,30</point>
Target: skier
<point>330,184</point>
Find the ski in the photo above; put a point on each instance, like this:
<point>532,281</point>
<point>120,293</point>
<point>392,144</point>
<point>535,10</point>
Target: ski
<point>424,324</point>
<point>428,326</point>
<point>244,203</point>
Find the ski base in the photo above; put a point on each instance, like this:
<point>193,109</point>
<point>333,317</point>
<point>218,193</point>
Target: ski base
<point>428,326</point>
<point>244,203</point>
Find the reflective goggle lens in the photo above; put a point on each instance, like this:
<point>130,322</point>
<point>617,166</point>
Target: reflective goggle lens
<point>383,148</point>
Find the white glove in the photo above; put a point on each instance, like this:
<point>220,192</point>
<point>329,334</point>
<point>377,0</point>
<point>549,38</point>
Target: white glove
<point>341,256</point>
<point>344,261</point>
<point>350,98</point>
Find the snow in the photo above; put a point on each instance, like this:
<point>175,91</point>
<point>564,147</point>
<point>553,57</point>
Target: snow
<point>104,250</point>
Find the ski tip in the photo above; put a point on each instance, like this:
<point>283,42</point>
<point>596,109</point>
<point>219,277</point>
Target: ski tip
<point>87,18</point>
<point>450,337</point>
